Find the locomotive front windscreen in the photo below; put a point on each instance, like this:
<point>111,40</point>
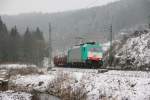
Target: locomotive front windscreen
<point>95,50</point>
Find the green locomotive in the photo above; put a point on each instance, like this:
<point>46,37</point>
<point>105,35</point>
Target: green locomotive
<point>86,55</point>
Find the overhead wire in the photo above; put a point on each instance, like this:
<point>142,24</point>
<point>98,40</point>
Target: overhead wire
<point>94,17</point>
<point>88,6</point>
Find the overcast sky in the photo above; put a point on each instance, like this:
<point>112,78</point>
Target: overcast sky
<point>26,6</point>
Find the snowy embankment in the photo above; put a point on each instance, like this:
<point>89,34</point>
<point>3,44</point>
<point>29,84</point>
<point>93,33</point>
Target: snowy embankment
<point>119,85</point>
<point>22,69</point>
<point>11,95</point>
<point>132,51</point>
<point>116,85</point>
<point>136,50</point>
<point>15,66</point>
<point>32,82</point>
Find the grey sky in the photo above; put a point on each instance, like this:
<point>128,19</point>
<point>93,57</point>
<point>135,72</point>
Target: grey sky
<point>26,6</point>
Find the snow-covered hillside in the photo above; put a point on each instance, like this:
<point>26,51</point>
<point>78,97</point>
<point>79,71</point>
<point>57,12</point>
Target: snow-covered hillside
<point>133,50</point>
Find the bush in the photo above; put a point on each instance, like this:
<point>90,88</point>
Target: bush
<point>64,87</point>
<point>17,88</point>
<point>79,93</point>
<point>24,71</point>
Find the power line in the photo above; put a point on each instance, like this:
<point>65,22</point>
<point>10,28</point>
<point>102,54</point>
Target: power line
<point>92,22</point>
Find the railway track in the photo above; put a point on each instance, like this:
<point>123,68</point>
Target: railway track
<point>99,70</point>
<point>79,70</point>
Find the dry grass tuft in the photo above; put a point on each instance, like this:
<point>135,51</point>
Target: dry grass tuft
<point>17,88</point>
<point>79,93</point>
<point>64,87</point>
<point>23,71</point>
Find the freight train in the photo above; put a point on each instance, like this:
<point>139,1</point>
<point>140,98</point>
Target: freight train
<point>86,55</point>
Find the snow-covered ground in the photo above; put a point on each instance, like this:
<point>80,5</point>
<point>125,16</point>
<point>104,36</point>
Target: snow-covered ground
<point>11,95</point>
<point>36,82</point>
<point>118,85</point>
<point>15,66</point>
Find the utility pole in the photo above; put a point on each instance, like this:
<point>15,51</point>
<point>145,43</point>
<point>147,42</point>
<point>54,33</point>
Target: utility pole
<point>110,51</point>
<point>50,47</point>
<point>111,36</point>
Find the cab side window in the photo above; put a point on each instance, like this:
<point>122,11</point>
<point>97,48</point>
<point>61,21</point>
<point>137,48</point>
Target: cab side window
<point>84,49</point>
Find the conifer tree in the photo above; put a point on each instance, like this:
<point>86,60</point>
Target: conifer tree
<point>29,48</point>
<point>15,45</point>
<point>3,41</point>
<point>27,45</point>
<point>39,46</point>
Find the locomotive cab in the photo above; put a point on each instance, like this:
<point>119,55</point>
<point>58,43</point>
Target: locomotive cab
<point>94,55</point>
<point>88,55</point>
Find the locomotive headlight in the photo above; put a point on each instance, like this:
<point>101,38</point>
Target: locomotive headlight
<point>94,55</point>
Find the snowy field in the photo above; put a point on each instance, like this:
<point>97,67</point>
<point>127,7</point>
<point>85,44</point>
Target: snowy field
<point>10,95</point>
<point>15,66</point>
<point>111,85</point>
<point>118,85</point>
<point>36,82</point>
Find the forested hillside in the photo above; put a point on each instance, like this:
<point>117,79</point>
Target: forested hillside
<point>92,23</point>
<point>29,48</point>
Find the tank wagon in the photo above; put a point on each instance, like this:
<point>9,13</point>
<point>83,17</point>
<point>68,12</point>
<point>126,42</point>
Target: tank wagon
<point>89,55</point>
